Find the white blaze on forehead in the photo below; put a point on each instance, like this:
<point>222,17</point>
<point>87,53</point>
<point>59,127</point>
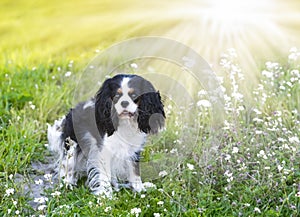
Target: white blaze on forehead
<point>124,85</point>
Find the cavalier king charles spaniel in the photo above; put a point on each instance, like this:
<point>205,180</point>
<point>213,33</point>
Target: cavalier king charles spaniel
<point>103,137</point>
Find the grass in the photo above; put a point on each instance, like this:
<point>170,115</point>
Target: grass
<point>246,166</point>
<point>254,171</point>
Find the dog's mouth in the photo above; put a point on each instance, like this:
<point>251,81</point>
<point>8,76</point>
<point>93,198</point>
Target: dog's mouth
<point>126,114</point>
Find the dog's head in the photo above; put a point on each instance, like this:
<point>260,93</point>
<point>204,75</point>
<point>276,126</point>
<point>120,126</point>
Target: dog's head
<point>128,97</point>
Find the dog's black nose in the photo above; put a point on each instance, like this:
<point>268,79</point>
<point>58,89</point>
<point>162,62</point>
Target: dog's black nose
<point>124,104</point>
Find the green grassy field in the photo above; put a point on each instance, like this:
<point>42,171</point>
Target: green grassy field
<point>248,165</point>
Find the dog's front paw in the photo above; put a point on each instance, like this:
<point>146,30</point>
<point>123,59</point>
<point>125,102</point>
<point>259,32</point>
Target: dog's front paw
<point>137,186</point>
<point>104,190</point>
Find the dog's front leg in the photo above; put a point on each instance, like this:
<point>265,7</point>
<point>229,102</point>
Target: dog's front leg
<point>99,172</point>
<point>135,177</point>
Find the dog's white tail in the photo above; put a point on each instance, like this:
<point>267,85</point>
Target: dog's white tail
<point>55,136</point>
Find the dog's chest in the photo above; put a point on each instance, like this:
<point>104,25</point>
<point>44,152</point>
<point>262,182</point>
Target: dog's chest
<point>125,142</point>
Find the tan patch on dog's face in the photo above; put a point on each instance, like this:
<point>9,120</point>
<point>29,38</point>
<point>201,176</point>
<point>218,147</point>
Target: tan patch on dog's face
<point>130,91</point>
<point>119,91</point>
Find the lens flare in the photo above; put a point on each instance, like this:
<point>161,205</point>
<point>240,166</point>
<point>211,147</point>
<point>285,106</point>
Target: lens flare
<point>259,30</point>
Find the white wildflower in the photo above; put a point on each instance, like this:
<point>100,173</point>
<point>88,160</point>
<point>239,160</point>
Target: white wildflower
<point>227,157</point>
<point>48,176</point>
<point>293,149</point>
<point>134,65</point>
<point>160,203</point>
<point>107,209</point>
<point>55,194</point>
<point>149,185</point>
<point>40,200</point>
<point>294,139</point>
<point>31,105</point>
<point>190,166</point>
<point>286,171</point>
<point>11,176</point>
<point>293,56</point>
<point>262,154</point>
<point>156,214</point>
<point>235,150</point>
<point>256,209</point>
<point>278,113</point>
<point>279,167</point>
<point>237,96</point>
<point>229,175</point>
<point>267,74</point>
<point>258,132</point>
<point>15,202</point>
<point>241,108</point>
<point>281,139</point>
<point>296,73</point>
<point>173,151</point>
<point>136,211</point>
<point>297,194</point>
<point>41,207</point>
<point>281,87</point>
<point>143,195</point>
<point>39,182</point>
<point>204,103</point>
<point>272,65</point>
<point>227,125</point>
<point>258,120</point>
<point>17,212</point>
<point>9,191</point>
<point>202,93</point>
<point>285,146</point>
<point>68,74</point>
<point>162,173</point>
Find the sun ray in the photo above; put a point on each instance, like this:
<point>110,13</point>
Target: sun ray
<point>254,28</point>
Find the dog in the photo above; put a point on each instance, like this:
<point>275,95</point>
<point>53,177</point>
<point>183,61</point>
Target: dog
<point>104,136</point>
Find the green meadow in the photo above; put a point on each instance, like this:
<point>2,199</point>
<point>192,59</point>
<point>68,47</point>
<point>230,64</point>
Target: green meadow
<point>246,164</point>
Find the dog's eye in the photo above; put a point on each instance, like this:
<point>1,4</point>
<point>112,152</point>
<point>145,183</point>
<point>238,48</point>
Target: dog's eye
<point>133,95</point>
<point>116,97</point>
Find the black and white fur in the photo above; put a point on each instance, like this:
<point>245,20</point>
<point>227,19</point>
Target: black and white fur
<point>103,137</point>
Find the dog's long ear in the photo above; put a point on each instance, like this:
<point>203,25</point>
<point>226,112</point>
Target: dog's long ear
<point>103,109</point>
<point>151,116</point>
